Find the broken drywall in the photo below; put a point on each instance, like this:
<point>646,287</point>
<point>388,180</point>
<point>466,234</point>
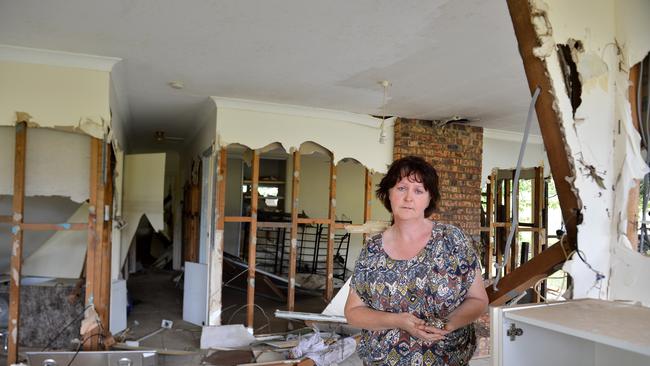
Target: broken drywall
<point>62,255</point>
<point>292,126</point>
<point>144,179</point>
<point>53,96</point>
<point>56,163</point>
<point>601,144</point>
<point>37,210</point>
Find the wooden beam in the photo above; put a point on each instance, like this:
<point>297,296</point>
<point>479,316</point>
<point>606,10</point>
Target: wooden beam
<point>286,225</point>
<point>93,266</point>
<point>313,221</point>
<point>215,264</point>
<point>252,242</point>
<point>17,241</point>
<point>239,218</point>
<point>104,231</point>
<point>295,193</point>
<point>54,227</point>
<point>525,276</point>
<point>329,282</point>
<point>6,219</point>
<point>550,125</point>
<point>367,198</point>
<point>550,122</point>
<point>489,220</point>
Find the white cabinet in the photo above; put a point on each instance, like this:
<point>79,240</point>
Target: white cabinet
<point>578,333</point>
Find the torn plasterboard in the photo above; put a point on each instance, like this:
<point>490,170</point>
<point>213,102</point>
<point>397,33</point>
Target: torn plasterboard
<point>144,180</point>
<point>37,210</point>
<point>57,163</point>
<point>55,97</point>
<point>63,255</point>
<point>292,126</point>
<point>604,149</point>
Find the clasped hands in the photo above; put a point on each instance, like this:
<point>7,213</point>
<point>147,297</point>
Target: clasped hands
<point>419,328</point>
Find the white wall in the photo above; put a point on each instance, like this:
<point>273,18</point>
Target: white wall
<point>501,150</point>
<point>594,136</point>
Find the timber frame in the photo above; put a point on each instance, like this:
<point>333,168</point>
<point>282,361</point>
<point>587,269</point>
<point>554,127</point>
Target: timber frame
<point>98,256</point>
<point>330,220</point>
<point>549,260</point>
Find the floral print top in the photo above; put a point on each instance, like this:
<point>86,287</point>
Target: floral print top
<point>430,285</point>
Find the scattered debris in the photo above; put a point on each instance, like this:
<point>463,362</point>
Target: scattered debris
<point>225,336</point>
<point>164,325</point>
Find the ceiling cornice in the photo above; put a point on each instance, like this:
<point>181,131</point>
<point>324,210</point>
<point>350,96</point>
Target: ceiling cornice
<point>301,111</point>
<point>511,136</point>
<point>57,58</point>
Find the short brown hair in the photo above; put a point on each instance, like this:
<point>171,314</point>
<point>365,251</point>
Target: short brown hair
<point>408,166</point>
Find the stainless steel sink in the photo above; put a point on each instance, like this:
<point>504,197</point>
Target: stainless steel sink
<point>103,358</point>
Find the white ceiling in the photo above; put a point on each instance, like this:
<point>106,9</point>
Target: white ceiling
<point>443,58</point>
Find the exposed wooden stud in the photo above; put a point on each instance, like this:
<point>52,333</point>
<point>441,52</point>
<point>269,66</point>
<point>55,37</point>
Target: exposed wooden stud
<point>239,218</point>
<point>549,121</point>
<point>507,202</point>
<point>489,220</point>
<point>329,281</point>
<point>6,219</point>
<point>550,125</point>
<point>104,232</point>
<point>92,280</point>
<point>252,241</point>
<point>286,225</point>
<point>526,275</point>
<point>295,193</point>
<point>17,241</point>
<point>498,234</point>
<point>215,264</point>
<point>54,227</point>
<point>310,221</point>
<point>367,201</point>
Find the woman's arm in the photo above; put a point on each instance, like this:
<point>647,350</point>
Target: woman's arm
<point>361,316</point>
<point>473,306</point>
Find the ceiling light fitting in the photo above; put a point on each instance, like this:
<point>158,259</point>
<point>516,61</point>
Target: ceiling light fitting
<point>382,134</point>
<point>176,84</point>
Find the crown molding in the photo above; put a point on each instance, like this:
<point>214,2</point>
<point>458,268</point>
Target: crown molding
<point>56,58</point>
<point>511,136</point>
<point>300,111</point>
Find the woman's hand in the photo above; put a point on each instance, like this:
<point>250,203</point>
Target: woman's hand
<point>418,328</point>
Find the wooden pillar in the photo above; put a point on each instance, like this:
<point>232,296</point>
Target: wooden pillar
<point>367,200</point>
<point>329,284</point>
<point>489,220</point>
<point>93,266</point>
<point>295,193</point>
<point>252,241</point>
<point>215,256</point>
<point>549,120</point>
<point>106,188</point>
<point>17,241</point>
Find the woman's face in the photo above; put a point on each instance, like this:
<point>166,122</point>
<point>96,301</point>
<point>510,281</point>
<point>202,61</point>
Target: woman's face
<point>408,199</point>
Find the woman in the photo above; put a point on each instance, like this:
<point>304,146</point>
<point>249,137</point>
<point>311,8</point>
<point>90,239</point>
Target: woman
<point>417,287</point>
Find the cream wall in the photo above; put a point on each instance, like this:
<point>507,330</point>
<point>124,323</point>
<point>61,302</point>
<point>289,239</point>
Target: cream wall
<point>256,124</point>
<point>144,188</point>
<point>55,96</point>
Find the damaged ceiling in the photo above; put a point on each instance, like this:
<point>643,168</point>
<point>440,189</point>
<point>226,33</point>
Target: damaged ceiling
<point>319,54</point>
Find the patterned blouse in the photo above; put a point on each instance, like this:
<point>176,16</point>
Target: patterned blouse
<point>430,285</point>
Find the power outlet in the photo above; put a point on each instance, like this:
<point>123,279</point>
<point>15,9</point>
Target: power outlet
<point>167,324</point>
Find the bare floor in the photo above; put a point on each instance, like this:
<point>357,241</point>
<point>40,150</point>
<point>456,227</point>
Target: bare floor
<point>156,296</point>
